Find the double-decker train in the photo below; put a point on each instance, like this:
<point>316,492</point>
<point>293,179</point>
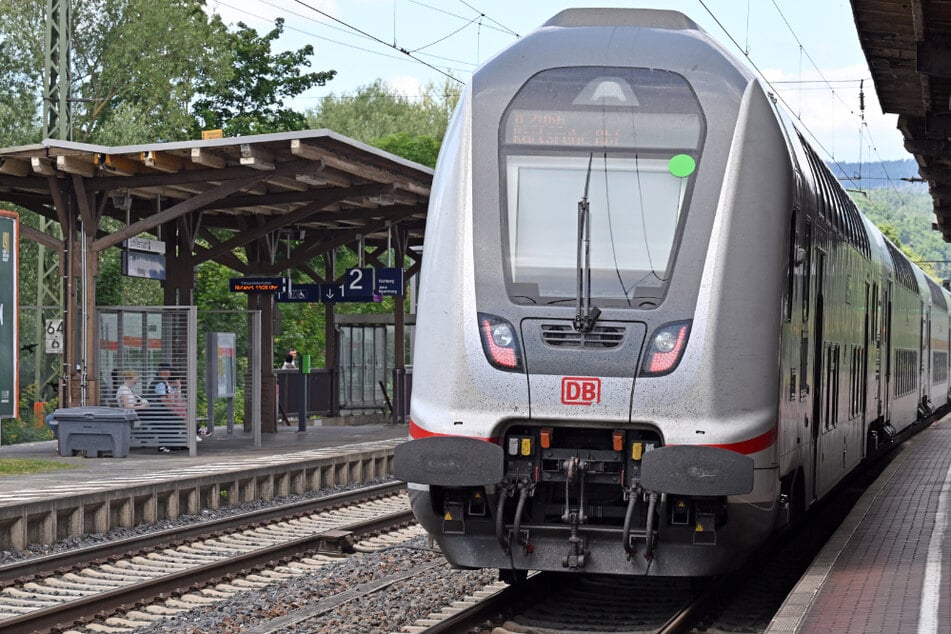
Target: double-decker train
<point>652,327</point>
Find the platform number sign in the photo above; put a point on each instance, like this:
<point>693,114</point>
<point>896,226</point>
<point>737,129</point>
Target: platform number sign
<point>357,286</point>
<point>359,283</point>
<point>9,336</point>
<point>54,336</point>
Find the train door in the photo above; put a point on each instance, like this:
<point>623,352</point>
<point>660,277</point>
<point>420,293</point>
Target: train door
<point>862,371</point>
<point>887,351</point>
<point>924,345</point>
<point>877,345</point>
<point>819,385</point>
<point>924,398</point>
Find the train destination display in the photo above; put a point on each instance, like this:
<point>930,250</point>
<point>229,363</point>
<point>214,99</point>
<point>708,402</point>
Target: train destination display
<point>611,128</point>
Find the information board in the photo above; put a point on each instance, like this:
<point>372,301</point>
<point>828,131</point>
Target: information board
<point>258,284</point>
<point>221,349</point>
<point>389,281</point>
<point>9,335</point>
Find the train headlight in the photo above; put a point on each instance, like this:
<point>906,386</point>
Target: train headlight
<point>502,335</point>
<point>665,348</point>
<point>499,342</point>
<point>665,341</point>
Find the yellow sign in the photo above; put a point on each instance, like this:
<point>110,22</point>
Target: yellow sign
<point>212,134</point>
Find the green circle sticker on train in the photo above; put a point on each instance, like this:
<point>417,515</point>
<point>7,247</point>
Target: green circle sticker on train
<point>682,165</point>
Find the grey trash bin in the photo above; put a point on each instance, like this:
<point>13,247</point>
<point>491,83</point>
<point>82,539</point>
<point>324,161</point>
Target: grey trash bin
<point>94,430</point>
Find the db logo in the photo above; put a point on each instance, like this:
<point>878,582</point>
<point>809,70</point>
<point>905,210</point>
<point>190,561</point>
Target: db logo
<point>580,390</point>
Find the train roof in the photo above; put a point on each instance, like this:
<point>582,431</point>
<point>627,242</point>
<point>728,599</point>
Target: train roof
<point>645,18</point>
<point>646,38</point>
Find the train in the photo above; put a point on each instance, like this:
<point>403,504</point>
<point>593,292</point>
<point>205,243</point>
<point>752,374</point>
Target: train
<point>652,329</point>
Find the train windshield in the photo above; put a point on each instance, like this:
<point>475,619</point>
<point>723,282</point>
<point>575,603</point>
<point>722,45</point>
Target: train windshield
<point>631,139</point>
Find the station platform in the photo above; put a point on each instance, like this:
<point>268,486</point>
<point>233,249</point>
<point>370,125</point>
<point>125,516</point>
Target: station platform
<point>888,566</point>
<point>94,495</point>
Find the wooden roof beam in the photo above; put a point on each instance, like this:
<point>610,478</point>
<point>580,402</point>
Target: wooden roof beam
<point>299,148</point>
<point>15,167</point>
<point>187,206</point>
<point>256,158</point>
<point>339,239</point>
<point>163,161</point>
<point>200,176</point>
<point>298,215</point>
<point>202,156</point>
<point>50,242</point>
<point>42,166</point>
<point>75,165</point>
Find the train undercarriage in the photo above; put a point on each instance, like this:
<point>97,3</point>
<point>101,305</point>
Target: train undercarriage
<point>587,499</point>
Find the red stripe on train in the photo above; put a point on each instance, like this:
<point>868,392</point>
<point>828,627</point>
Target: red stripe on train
<point>761,442</point>
<point>416,432</point>
<point>753,445</point>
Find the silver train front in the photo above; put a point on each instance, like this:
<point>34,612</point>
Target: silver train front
<point>620,363</point>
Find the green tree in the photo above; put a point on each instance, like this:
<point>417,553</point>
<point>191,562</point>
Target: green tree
<point>142,60</point>
<point>375,113</point>
<point>905,217</point>
<point>251,100</point>
<point>21,71</point>
<point>135,67</point>
<point>422,149</point>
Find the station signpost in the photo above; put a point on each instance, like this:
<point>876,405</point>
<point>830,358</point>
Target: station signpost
<point>9,316</point>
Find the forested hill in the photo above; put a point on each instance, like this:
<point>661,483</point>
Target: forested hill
<point>903,210</point>
<point>902,175</point>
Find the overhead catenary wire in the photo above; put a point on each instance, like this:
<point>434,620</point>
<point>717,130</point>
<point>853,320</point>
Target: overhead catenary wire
<point>469,65</point>
<point>863,128</point>
<point>776,92</point>
<point>380,41</point>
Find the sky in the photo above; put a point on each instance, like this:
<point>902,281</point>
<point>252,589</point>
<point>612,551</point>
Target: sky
<point>807,50</point>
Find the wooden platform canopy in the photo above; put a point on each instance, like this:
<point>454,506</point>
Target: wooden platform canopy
<point>283,199</point>
<point>908,47</point>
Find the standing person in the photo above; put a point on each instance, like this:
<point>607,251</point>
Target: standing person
<point>292,353</point>
<point>288,363</point>
<point>126,396</point>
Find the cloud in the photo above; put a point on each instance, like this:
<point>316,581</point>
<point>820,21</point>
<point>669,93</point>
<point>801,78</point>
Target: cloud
<point>829,113</point>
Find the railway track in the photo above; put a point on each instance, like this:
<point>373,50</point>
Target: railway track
<point>34,566</point>
<point>548,602</point>
<point>68,588</point>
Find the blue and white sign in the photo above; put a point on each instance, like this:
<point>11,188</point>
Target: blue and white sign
<point>299,293</point>
<point>389,281</point>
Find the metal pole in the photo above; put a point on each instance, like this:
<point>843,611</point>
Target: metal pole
<point>255,346</point>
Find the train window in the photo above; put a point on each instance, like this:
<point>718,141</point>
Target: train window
<point>940,365</point>
<point>806,271</point>
<point>792,264</point>
<point>627,138</point>
<point>804,367</point>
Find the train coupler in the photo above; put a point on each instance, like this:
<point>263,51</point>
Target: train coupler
<point>575,560</point>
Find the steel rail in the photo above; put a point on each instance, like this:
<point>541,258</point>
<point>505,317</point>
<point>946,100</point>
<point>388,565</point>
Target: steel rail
<point>18,571</point>
<point>83,609</point>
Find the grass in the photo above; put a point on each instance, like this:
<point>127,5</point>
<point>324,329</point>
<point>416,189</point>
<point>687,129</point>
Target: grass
<point>26,466</point>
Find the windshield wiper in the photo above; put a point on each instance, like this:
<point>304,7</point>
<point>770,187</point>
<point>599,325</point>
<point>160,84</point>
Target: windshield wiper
<point>587,314</point>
